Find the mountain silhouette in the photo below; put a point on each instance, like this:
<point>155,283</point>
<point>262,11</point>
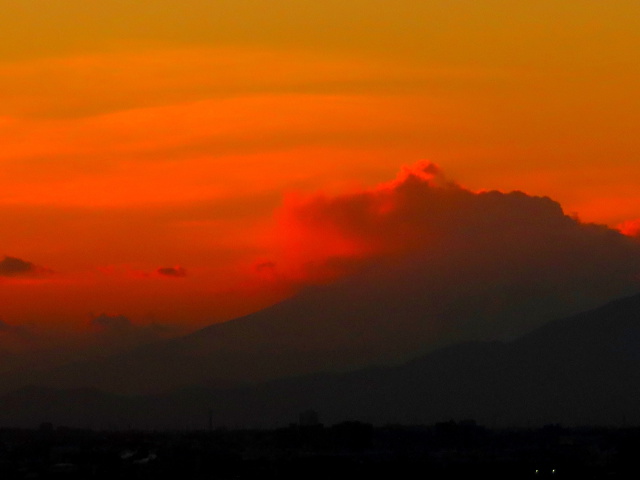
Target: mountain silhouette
<point>449,266</point>
<point>340,327</point>
<point>584,369</point>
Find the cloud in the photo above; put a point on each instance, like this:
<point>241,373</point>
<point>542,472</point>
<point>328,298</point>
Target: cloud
<point>630,228</point>
<point>176,272</point>
<point>267,265</point>
<point>426,261</point>
<point>394,217</point>
<point>16,267</point>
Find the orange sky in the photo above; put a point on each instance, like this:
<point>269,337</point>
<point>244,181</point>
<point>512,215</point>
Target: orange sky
<point>156,134</point>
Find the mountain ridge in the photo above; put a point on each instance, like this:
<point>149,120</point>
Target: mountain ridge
<point>531,380</point>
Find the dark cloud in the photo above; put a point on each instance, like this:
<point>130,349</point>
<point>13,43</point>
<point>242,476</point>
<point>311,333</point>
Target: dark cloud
<point>431,262</point>
<point>172,272</point>
<point>267,266</point>
<point>16,267</point>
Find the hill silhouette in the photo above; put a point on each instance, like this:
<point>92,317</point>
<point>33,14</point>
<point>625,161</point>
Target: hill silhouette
<point>580,370</point>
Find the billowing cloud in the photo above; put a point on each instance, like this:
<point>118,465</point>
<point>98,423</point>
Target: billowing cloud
<point>429,261</point>
<point>16,267</point>
<point>172,272</point>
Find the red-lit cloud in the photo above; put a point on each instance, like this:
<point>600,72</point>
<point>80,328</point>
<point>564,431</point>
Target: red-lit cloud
<point>630,228</point>
<point>394,217</point>
<point>460,264</point>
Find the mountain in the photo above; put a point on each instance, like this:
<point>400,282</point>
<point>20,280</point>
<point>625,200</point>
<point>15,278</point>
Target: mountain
<point>440,265</point>
<point>584,369</point>
<point>385,314</point>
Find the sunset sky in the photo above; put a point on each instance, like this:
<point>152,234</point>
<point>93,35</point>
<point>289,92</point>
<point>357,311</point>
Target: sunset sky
<point>156,154</point>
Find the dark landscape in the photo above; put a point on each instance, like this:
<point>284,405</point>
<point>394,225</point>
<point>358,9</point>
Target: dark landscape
<point>578,371</point>
<point>311,450</point>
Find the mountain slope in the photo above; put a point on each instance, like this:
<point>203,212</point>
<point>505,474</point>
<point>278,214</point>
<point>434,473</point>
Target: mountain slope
<point>581,370</point>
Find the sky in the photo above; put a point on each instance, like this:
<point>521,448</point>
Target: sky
<point>156,154</point>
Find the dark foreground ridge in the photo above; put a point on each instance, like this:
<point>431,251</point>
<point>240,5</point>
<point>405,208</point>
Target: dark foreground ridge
<point>349,449</point>
<point>584,370</point>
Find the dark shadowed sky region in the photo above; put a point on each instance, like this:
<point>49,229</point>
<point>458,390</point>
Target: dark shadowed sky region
<point>403,175</point>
